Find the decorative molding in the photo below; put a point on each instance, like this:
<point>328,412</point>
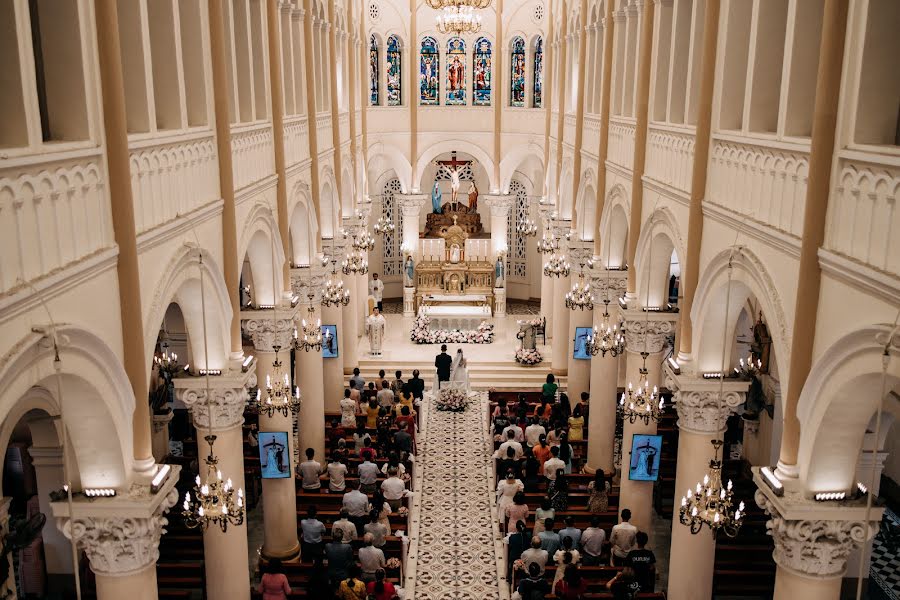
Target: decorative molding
<point>704,405</point>
<point>411,204</point>
<point>221,405</point>
<point>267,333</point>
<point>613,282</point>
<point>815,547</point>
<point>165,232</point>
<point>648,332</point>
<point>306,281</point>
<point>861,277</point>
<point>500,204</point>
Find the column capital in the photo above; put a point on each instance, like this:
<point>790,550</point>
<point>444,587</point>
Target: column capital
<point>704,405</point>
<point>500,204</point>
<point>222,405</point>
<point>411,204</point>
<point>308,280</point>
<point>580,252</point>
<point>119,535</point>
<point>608,281</point>
<point>648,331</point>
<point>814,539</point>
<point>268,332</point>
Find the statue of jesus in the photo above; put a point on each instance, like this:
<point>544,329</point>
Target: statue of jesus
<point>454,171</point>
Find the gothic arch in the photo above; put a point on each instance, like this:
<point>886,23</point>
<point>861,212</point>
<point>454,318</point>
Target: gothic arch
<point>586,206</point>
<point>395,159</point>
<point>181,285</point>
<point>516,158</point>
<point>303,227</point>
<point>97,400</point>
<point>614,227</point>
<point>447,146</point>
<point>660,229</point>
<point>749,277</point>
<point>260,232</point>
<point>839,398</point>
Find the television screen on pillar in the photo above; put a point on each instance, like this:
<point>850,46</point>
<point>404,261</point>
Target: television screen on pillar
<point>645,454</point>
<point>274,455</point>
<point>579,350</point>
<point>329,341</point>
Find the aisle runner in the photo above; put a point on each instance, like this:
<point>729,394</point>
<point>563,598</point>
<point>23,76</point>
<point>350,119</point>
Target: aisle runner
<point>455,548</point>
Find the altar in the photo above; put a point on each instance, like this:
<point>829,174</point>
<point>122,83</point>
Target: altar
<point>449,317</point>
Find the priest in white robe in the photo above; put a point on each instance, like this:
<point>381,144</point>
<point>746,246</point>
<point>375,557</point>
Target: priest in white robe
<point>375,330</point>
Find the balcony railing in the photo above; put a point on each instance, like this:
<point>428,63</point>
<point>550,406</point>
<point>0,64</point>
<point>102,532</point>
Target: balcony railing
<point>252,153</point>
<point>670,157</point>
<point>621,143</point>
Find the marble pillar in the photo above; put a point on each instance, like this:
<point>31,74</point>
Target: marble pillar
<point>411,208</point>
<point>703,406</point>
<point>562,341</point>
<point>579,370</point>
<point>48,470</point>
<point>333,368</point>
<point>309,365</point>
<point>350,321</point>
<point>120,537</point>
<point>160,437</point>
<point>500,206</point>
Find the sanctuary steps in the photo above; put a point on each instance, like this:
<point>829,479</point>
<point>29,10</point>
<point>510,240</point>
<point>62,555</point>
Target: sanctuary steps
<point>483,375</point>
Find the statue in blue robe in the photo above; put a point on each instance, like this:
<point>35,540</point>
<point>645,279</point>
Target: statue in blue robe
<point>436,198</point>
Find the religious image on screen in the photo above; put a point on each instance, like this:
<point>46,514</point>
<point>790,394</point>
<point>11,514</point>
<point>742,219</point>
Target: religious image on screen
<point>645,456</point>
<point>580,351</point>
<point>274,454</point>
<point>329,341</point>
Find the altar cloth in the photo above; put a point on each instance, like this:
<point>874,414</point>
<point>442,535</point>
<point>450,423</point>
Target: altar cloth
<point>456,317</point>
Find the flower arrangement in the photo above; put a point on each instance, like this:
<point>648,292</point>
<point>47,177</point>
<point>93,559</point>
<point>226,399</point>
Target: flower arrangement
<point>451,399</point>
<point>421,334</point>
<point>532,322</point>
<point>392,563</point>
<point>518,565</point>
<point>529,358</point>
<point>403,511</point>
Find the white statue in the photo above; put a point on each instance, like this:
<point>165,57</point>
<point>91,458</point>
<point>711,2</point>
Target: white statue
<point>454,187</point>
<point>375,324</point>
<point>454,254</point>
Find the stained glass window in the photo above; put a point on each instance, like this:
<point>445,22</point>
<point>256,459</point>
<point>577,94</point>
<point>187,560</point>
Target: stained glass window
<point>456,71</point>
<point>538,73</point>
<point>392,257</point>
<point>517,73</point>
<point>394,71</point>
<point>429,73</point>
<point>481,73</point>
<point>373,71</point>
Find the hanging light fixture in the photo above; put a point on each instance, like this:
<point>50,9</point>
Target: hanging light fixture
<point>215,502</point>
<point>355,263</point>
<point>710,503</point>
<point>548,243</point>
<point>279,396</point>
<point>384,226</point>
<point>458,20</point>
<point>335,294</point>
<point>311,339</point>
<point>557,266</point>
<point>442,4</point>
<point>362,240</point>
<point>751,368</point>
<point>167,361</point>
<point>605,337</point>
<point>580,297</point>
<point>641,403</point>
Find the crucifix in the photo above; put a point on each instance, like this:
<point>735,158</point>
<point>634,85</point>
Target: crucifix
<point>453,168</point>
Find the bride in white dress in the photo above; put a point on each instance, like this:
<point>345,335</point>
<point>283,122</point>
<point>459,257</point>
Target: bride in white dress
<point>459,373</point>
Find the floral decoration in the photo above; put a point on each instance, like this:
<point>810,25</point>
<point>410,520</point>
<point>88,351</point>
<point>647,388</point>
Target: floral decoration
<point>403,511</point>
<point>452,399</point>
<point>421,334</point>
<point>528,358</point>
<point>392,563</point>
<point>518,565</point>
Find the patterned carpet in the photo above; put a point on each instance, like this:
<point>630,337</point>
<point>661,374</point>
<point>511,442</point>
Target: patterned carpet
<point>455,547</point>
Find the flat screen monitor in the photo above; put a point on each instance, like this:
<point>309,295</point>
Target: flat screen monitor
<point>581,335</point>
<point>274,455</point>
<point>329,341</point>
<point>645,455</point>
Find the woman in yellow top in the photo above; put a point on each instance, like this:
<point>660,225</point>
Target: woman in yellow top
<point>353,587</point>
<point>406,399</point>
<point>576,425</point>
<point>372,414</point>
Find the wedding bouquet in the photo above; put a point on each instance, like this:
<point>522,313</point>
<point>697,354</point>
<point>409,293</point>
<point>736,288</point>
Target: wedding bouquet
<point>421,334</point>
<point>528,358</point>
<point>451,399</point>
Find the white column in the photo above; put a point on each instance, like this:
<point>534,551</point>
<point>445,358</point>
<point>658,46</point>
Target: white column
<point>562,341</point>
<point>702,415</point>
<point>411,207</point>
<point>160,435</point>
<point>309,365</point>
<point>500,205</point>
<point>48,469</point>
<point>120,537</point>
<point>350,321</point>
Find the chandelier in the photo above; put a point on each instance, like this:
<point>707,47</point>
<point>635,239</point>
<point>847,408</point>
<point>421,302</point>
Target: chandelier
<point>311,339</point>
<point>362,240</point>
<point>335,294</point>
<point>214,502</point>
<point>355,263</point>
<point>441,4</point>
<point>279,396</point>
<point>548,243</point>
<point>641,404</point>
<point>557,266</point>
<point>748,369</point>
<point>384,226</point>
<point>580,297</point>
<point>605,337</point>
<point>167,361</point>
<point>458,20</point>
<point>710,503</point>
<point>527,228</point>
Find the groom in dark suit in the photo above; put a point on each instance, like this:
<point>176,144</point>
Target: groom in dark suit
<point>443,362</point>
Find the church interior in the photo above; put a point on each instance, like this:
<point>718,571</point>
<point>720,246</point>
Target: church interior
<point>654,237</point>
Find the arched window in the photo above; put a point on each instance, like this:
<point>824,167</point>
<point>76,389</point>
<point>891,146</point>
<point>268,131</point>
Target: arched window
<point>429,73</point>
<point>538,73</point>
<point>481,73</point>
<point>392,256</point>
<point>516,258</point>
<point>373,71</point>
<point>456,71</point>
<point>393,71</point>
<point>517,73</point>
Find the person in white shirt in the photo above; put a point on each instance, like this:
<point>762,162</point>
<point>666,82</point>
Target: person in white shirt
<point>592,540</point>
<point>394,489</point>
<point>336,473</point>
<point>357,505</point>
<point>309,471</point>
<point>376,290</point>
<point>370,558</point>
<point>343,526</point>
<point>385,396</point>
<point>533,433</point>
<point>535,555</point>
<point>623,539</point>
<point>552,465</point>
<point>518,434</point>
<point>510,443</point>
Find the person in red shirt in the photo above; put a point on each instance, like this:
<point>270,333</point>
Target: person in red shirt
<point>571,586</point>
<point>381,589</point>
